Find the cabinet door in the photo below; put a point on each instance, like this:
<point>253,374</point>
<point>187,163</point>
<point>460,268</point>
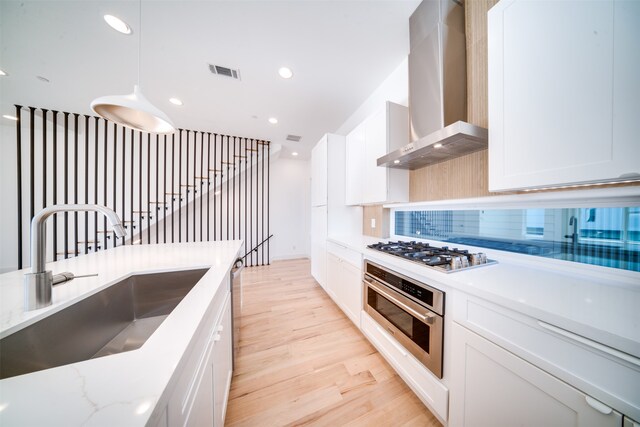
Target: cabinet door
<point>355,171</point>
<point>492,387</point>
<point>352,291</point>
<point>563,92</point>
<point>319,244</point>
<point>334,276</point>
<point>222,347</point>
<point>201,413</point>
<point>375,189</point>
<point>319,173</point>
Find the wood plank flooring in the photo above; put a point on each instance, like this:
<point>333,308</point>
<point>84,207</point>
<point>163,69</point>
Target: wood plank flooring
<point>302,361</point>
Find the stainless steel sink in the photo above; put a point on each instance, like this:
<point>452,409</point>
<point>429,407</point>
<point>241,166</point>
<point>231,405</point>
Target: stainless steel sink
<point>117,319</point>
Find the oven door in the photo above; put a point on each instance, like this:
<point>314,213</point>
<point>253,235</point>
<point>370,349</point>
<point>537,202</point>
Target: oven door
<point>416,328</point>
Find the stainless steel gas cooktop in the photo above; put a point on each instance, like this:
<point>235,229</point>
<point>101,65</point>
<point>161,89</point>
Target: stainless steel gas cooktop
<point>442,259</point>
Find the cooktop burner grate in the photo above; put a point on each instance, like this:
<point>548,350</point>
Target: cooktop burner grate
<point>442,259</point>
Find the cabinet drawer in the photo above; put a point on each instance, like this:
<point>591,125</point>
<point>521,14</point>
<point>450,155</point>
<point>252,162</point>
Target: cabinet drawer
<point>585,364</point>
<point>190,371</point>
<point>349,255</point>
<point>426,386</point>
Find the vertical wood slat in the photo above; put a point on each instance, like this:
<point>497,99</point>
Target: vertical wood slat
<point>234,203</point>
<point>86,182</point>
<point>32,157</point>
<point>195,191</point>
<point>66,183</point>
<point>131,181</point>
<point>19,179</point>
<point>180,186</point>
<point>44,158</point>
<point>164,190</point>
<point>201,179</point>
<point>215,185</point>
<point>186,181</point>
<point>157,181</point>
<point>54,193</point>
<point>208,181</point>
<point>75,182</point>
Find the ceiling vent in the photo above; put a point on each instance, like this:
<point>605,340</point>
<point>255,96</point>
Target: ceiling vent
<point>224,71</point>
<point>294,138</point>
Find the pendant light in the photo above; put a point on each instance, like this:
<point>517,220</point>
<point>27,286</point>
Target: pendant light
<point>134,110</point>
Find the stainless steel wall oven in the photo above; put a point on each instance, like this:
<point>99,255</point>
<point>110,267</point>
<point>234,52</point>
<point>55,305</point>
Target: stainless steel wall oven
<point>411,311</point>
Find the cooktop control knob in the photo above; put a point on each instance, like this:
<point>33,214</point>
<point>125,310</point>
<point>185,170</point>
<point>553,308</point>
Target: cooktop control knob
<point>455,263</point>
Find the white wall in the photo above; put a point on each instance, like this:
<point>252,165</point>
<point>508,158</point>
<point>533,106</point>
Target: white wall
<point>290,205</point>
<point>8,195</point>
<point>394,88</point>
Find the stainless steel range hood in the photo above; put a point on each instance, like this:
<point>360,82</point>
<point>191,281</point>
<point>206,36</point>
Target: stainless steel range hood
<point>437,89</point>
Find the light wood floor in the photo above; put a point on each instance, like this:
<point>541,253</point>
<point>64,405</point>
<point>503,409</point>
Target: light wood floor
<point>302,361</point>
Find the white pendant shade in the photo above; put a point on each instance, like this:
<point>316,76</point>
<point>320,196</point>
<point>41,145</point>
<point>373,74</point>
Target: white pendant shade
<point>133,111</point>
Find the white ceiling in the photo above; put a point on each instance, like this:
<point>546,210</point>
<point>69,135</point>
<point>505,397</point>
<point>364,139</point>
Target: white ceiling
<point>340,51</point>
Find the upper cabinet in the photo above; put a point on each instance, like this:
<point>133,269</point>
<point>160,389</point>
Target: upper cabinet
<point>366,182</point>
<point>319,173</point>
<point>564,93</point>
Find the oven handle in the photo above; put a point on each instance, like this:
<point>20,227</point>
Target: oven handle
<point>426,318</point>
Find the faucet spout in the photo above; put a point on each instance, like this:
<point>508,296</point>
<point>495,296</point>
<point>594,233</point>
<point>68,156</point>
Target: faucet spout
<point>39,282</point>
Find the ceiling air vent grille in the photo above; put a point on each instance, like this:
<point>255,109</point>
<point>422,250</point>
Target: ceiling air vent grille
<point>294,138</point>
<point>224,71</point>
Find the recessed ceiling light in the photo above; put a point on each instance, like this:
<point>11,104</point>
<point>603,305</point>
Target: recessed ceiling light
<point>7,116</point>
<point>285,72</point>
<point>438,145</point>
<point>3,73</point>
<point>395,162</point>
<point>175,101</point>
<point>273,120</point>
<point>43,79</point>
<point>294,153</point>
<point>117,24</point>
<point>217,193</point>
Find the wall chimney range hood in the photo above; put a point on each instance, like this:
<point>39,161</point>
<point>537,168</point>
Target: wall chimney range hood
<point>437,89</point>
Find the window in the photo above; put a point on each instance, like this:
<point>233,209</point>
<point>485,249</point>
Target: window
<point>607,237</point>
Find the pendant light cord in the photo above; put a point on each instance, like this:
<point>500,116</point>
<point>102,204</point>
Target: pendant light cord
<point>139,38</point>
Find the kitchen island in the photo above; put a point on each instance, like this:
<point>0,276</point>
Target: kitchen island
<point>157,384</point>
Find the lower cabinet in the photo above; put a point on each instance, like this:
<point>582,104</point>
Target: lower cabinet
<point>492,387</point>
<point>319,244</point>
<point>424,384</point>
<point>222,365</point>
<point>344,285</point>
<point>200,393</point>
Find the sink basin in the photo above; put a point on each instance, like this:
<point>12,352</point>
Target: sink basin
<point>117,319</point>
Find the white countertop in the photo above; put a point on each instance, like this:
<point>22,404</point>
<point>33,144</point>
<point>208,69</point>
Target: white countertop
<point>121,389</point>
<point>590,301</point>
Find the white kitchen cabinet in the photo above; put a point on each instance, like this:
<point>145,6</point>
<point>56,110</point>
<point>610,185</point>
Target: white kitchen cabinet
<point>344,280</point>
<point>202,411</point>
<point>334,278</point>
<point>564,93</point>
<point>222,365</point>
<point>355,166</point>
<point>213,380</point>
<point>429,389</point>
<point>329,214</point>
<point>319,244</point>
<point>492,387</point>
<point>200,393</point>
<point>367,183</point>
<point>319,173</point>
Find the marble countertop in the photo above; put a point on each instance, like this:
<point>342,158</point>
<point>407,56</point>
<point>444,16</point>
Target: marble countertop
<point>598,303</point>
<point>120,389</point>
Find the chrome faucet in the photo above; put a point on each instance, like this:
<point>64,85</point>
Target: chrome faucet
<point>39,282</point>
